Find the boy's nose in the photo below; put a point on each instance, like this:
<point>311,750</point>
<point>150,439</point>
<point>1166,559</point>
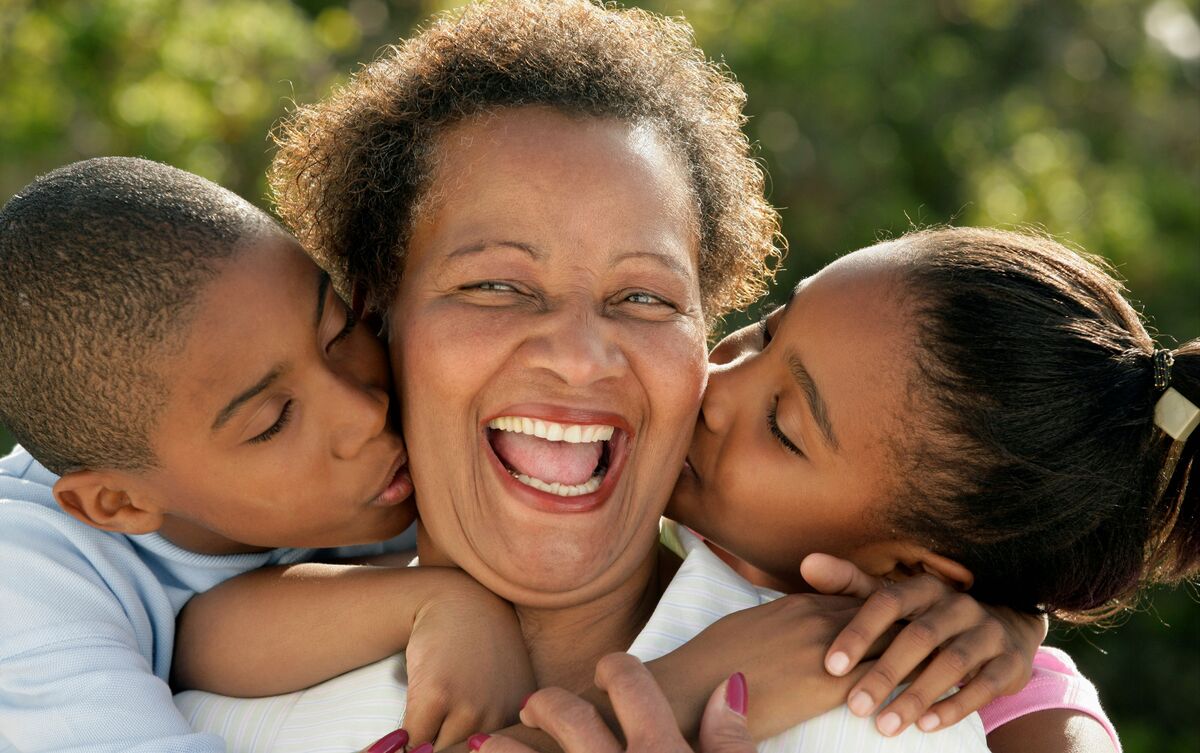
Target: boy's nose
<point>361,414</point>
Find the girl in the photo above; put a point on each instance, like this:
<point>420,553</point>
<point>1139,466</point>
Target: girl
<point>980,406</point>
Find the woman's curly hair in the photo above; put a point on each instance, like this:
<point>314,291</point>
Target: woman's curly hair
<point>351,170</point>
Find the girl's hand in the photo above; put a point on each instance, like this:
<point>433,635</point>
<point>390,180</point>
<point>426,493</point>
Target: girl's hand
<point>645,716</point>
<point>990,649</point>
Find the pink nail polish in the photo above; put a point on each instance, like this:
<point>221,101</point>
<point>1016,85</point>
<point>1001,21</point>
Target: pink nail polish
<point>736,693</point>
<point>475,742</point>
<point>423,748</point>
<point>392,742</point>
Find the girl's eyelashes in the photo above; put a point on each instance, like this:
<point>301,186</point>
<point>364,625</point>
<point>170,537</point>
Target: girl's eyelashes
<point>764,333</point>
<point>285,415</point>
<point>773,425</point>
<point>347,328</point>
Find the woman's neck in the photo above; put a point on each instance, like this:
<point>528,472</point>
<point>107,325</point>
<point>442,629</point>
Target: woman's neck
<point>565,644</point>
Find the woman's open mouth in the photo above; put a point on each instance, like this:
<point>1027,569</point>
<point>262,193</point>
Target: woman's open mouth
<point>564,464</point>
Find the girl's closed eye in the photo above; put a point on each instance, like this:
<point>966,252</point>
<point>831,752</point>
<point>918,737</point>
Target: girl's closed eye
<point>347,328</point>
<point>773,425</point>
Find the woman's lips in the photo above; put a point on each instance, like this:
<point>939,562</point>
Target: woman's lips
<point>556,426</point>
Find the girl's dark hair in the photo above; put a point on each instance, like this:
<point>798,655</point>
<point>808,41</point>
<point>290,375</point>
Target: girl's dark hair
<point>351,169</point>
<point>1040,466</point>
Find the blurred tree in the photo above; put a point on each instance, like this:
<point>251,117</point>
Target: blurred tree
<point>1080,116</point>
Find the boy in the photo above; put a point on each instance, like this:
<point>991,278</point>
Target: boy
<point>209,408</point>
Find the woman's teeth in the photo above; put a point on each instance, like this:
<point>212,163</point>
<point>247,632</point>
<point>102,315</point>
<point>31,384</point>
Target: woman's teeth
<point>555,432</point>
<point>552,431</point>
<point>561,490</point>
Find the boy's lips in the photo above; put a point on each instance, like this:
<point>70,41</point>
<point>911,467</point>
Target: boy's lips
<point>398,486</point>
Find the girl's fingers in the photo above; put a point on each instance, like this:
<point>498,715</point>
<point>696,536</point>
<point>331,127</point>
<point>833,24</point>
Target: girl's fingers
<point>883,609</point>
<point>982,689</point>
<point>498,744</point>
<point>573,722</point>
<point>916,642</point>
<point>832,575</point>
<point>952,665</point>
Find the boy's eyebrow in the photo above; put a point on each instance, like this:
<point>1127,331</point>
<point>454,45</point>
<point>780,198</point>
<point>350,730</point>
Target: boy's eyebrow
<point>232,407</point>
<point>815,403</point>
<point>229,410</point>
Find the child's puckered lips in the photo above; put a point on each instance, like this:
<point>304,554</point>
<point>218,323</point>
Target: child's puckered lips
<point>398,486</point>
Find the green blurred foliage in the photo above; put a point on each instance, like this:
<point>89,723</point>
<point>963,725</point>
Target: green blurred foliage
<point>1078,116</point>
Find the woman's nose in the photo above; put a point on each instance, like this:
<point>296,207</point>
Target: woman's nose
<point>359,412</point>
<point>577,346</point>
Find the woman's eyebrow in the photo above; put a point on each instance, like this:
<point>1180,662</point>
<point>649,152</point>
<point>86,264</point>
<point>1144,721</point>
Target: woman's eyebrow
<point>816,404</point>
<point>480,246</point>
<point>666,260</point>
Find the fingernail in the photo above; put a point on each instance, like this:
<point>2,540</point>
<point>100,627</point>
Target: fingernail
<point>390,743</point>
<point>475,742</point>
<point>735,693</point>
<point>837,663</point>
<point>929,722</point>
<point>524,701</point>
<point>423,748</point>
<point>861,704</point>
<point>889,723</point>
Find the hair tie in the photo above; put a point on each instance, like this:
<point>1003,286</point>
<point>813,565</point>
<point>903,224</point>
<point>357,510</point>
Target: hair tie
<point>1163,361</point>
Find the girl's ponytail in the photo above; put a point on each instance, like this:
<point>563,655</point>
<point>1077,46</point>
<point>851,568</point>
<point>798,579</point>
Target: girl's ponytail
<point>1175,517</point>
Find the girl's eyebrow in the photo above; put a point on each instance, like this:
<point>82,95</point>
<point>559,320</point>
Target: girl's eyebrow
<point>820,412</point>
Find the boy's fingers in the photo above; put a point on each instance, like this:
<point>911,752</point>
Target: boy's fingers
<point>882,610</point>
<point>571,721</point>
<point>639,704</point>
<point>723,728</point>
<point>423,720</point>
<point>832,575</point>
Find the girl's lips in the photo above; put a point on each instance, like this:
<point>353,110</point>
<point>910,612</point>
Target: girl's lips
<point>618,451</point>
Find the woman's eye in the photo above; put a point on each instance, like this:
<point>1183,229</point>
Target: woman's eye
<point>643,298</point>
<point>773,425</point>
<point>285,415</point>
<point>500,287</point>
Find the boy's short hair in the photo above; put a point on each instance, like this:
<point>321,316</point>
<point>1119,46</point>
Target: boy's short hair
<point>101,263</point>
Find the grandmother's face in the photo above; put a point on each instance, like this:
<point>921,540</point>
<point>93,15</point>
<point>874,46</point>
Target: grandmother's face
<point>549,348</point>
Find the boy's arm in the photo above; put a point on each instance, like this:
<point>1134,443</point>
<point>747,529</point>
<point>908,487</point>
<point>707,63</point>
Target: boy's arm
<point>77,650</point>
<point>282,629</point>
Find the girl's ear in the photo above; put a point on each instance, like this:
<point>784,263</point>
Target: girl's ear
<point>104,500</point>
<point>921,560</point>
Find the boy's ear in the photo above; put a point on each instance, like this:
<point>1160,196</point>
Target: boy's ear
<point>106,500</point>
<point>922,560</point>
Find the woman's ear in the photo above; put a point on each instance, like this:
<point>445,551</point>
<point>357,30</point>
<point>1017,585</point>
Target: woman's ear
<point>105,500</point>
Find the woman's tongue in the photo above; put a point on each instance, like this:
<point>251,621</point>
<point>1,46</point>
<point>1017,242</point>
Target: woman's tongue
<point>565,462</point>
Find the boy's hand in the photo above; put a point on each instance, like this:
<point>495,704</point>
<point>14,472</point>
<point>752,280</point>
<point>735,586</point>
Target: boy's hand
<point>990,649</point>
<point>468,668</point>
